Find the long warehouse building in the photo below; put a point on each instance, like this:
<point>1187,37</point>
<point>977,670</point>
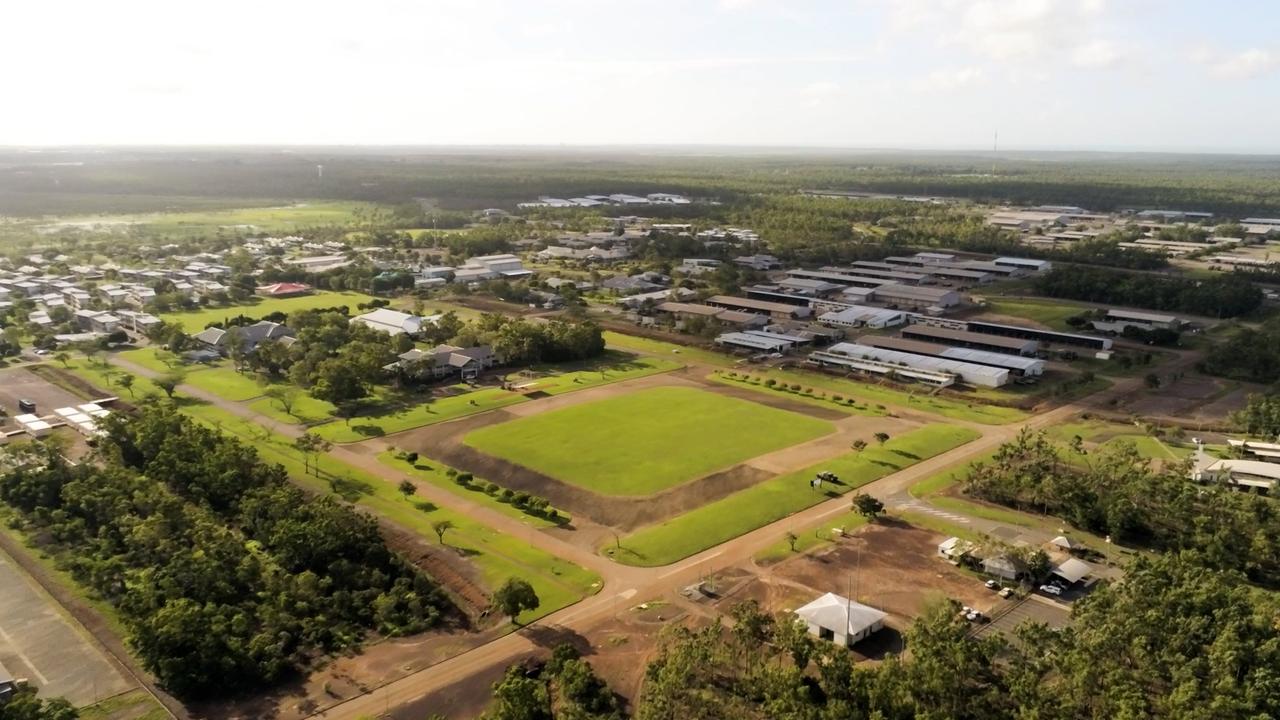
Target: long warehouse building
<point>920,367</point>
<point>1018,366</point>
<point>977,341</point>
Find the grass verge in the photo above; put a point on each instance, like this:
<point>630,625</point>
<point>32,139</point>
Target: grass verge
<point>779,497</point>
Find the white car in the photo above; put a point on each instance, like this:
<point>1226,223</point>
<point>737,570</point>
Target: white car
<point>1051,589</point>
<point>992,584</point>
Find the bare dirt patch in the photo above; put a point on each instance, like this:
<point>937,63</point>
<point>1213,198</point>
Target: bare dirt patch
<point>889,565</point>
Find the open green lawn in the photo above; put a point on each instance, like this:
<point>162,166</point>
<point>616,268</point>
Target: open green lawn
<point>671,350</point>
<point>647,441</point>
<point>552,380</point>
<point>1050,313</point>
<point>196,320</point>
<point>774,499</point>
<point>280,218</point>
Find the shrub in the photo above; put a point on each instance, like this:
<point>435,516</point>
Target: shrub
<point>450,472</point>
<point>506,495</point>
<point>837,398</point>
<point>770,382</point>
<point>520,499</point>
<point>465,477</point>
<point>411,457</point>
<point>490,488</point>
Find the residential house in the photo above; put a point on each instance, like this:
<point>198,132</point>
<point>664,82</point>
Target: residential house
<point>444,361</point>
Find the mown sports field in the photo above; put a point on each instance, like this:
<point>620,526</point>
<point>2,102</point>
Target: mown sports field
<point>645,442</point>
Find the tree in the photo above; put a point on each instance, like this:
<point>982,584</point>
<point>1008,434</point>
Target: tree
<point>62,358</point>
<point>520,697</point>
<point>882,437</point>
<point>170,381</point>
<point>858,445</point>
<point>867,506</point>
<point>791,540</point>
<point>126,382</point>
<point>441,527</point>
<point>286,396</point>
<point>407,488</point>
<point>308,444</point>
<point>515,596</point>
<point>24,705</point>
<point>1151,381</point>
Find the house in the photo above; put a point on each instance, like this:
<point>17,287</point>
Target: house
<point>1003,566</point>
<point>758,262</point>
<point>953,549</point>
<point>642,283</point>
<point>778,311</point>
<point>283,290</point>
<point>445,361</point>
<point>98,321</point>
<point>698,266</point>
<point>212,338</point>
<point>840,620</point>
<point>393,322</point>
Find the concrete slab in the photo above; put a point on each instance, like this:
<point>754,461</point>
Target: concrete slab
<point>38,642</point>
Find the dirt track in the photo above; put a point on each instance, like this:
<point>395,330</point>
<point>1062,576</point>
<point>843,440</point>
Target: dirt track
<point>443,442</point>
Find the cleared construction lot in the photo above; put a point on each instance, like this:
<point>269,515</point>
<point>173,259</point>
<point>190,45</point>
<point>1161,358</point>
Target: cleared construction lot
<point>39,643</point>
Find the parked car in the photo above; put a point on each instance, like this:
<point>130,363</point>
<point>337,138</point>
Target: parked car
<point>1006,592</point>
<point>974,616</point>
<point>1051,589</point>
<point>26,406</point>
<point>41,351</point>
<point>992,584</point>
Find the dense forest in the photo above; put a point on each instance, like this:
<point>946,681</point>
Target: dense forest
<point>153,179</point>
<point>227,577</point>
<point>1175,639</point>
<point>1246,354</point>
<point>1220,297</point>
<point>1117,492</point>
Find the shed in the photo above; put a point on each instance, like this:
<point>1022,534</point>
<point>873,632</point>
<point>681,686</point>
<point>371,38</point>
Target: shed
<point>841,620</point>
<point>1073,570</point>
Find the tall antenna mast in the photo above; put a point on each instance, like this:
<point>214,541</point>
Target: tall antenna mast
<point>995,148</point>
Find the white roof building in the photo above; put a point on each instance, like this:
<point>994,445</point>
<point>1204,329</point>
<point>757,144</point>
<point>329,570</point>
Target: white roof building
<point>841,620</point>
<point>393,322</point>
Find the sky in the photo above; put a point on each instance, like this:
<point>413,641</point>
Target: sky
<point>1176,75</point>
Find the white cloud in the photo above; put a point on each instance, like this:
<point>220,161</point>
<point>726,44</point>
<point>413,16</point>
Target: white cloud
<point>1243,65</point>
<point>1096,55</point>
<point>955,78</point>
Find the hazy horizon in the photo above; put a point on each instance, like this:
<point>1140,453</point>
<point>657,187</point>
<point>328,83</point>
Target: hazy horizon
<point>857,75</point>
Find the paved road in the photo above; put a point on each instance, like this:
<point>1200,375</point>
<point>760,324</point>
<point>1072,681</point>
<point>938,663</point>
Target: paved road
<point>622,583</point>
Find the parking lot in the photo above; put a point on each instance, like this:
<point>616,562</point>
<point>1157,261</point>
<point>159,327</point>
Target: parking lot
<point>1032,609</point>
<point>39,643</point>
<point>18,383</point>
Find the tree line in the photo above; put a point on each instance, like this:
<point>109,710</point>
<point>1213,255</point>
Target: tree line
<point>227,577</point>
<point>1248,354</point>
<point>1224,296</point>
<point>1115,491</point>
<point>1176,639</point>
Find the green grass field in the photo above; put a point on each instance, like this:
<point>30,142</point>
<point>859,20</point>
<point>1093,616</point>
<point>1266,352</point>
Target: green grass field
<point>1050,313</point>
<point>196,320</point>
<point>647,441</point>
<point>772,500</point>
<point>611,368</point>
<point>278,218</point>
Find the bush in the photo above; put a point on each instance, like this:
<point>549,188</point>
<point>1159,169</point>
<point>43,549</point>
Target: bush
<point>411,457</point>
<point>450,472</point>
<point>520,499</point>
<point>490,488</point>
<point>770,382</point>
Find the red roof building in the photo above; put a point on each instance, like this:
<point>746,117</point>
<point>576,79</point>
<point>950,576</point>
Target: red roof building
<point>284,289</point>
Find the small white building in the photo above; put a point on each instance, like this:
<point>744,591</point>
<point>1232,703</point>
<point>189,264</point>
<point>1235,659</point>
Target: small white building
<point>393,322</point>
<point>840,620</point>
